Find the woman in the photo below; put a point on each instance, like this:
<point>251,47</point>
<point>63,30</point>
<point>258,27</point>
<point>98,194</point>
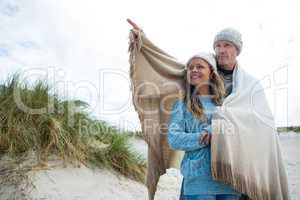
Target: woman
<point>190,130</point>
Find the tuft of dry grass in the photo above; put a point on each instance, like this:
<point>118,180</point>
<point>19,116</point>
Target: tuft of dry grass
<point>33,119</point>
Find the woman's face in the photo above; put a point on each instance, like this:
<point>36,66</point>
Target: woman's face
<point>198,72</point>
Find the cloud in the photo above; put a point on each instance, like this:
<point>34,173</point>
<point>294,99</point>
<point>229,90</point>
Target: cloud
<point>9,8</point>
<point>4,52</point>
<point>81,39</point>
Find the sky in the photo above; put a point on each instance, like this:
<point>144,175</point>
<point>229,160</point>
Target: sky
<point>80,47</point>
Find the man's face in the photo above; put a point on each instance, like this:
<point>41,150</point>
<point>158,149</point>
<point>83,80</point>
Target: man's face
<point>226,54</point>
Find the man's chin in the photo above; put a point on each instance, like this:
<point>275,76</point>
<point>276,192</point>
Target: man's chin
<point>222,64</point>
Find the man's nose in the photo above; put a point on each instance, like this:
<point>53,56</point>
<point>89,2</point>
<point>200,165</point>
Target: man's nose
<point>221,50</point>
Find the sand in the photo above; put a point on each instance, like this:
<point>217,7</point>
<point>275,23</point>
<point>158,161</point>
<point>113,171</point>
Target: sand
<point>79,182</point>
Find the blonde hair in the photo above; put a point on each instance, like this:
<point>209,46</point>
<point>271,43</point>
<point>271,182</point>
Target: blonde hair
<point>216,89</point>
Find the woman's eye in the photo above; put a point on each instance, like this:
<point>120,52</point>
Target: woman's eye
<point>197,67</point>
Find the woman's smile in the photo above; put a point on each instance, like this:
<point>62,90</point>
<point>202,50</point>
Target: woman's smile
<point>195,76</point>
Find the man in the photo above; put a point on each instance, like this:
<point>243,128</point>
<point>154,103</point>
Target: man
<point>248,91</point>
<point>227,45</point>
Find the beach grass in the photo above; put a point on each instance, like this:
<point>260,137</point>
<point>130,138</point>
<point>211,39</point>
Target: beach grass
<point>35,119</point>
<point>135,134</point>
<point>295,129</point>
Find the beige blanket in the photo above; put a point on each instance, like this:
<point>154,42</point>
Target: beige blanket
<point>245,149</point>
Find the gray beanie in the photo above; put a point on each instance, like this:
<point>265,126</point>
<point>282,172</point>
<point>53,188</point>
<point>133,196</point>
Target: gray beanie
<point>230,35</point>
<point>208,57</point>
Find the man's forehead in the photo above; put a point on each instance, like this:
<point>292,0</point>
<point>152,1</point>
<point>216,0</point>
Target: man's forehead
<point>224,42</point>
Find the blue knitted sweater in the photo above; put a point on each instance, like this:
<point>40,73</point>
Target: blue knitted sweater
<point>184,134</point>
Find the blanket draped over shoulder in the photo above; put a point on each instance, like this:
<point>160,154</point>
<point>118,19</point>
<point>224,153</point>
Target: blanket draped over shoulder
<point>245,151</point>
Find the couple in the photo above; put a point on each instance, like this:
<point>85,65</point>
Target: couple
<point>211,81</point>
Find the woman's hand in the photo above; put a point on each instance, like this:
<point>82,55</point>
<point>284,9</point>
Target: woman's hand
<point>205,138</point>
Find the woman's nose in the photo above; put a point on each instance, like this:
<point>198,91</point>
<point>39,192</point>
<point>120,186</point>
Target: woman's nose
<point>194,69</point>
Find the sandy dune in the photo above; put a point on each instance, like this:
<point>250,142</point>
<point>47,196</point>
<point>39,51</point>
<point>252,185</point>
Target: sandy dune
<point>76,183</point>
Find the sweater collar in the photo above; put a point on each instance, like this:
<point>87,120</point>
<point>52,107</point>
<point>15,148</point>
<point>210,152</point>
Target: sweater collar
<point>226,71</point>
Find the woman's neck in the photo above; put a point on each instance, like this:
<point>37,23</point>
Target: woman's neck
<point>204,90</point>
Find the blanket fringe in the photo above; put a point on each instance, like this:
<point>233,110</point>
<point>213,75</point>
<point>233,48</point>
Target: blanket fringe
<point>224,173</point>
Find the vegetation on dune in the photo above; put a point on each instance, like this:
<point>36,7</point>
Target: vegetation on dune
<point>289,128</point>
<point>33,119</point>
